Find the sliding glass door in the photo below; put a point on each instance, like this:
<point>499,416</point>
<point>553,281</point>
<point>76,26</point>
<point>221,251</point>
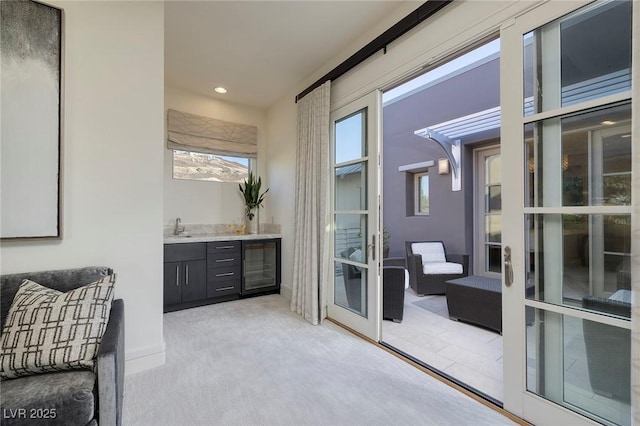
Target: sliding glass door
<point>567,191</point>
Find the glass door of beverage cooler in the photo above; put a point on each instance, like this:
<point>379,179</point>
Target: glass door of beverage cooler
<point>261,271</point>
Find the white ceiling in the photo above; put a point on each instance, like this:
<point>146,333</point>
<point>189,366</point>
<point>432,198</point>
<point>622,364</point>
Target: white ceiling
<point>259,50</point>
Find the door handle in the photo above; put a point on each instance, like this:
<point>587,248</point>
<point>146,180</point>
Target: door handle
<point>186,276</point>
<point>508,268</point>
<point>372,246</point>
<point>177,276</point>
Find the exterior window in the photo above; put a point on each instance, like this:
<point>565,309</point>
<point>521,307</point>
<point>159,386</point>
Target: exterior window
<point>209,167</point>
<point>422,194</point>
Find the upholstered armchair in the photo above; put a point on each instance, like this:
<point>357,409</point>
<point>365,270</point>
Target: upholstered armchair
<point>430,266</point>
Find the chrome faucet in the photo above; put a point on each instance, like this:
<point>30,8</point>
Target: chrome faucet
<point>179,228</point>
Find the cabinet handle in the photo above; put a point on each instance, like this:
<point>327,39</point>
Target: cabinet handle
<point>186,275</point>
<point>225,288</point>
<point>224,260</point>
<point>228,274</point>
<point>224,247</point>
<point>177,276</point>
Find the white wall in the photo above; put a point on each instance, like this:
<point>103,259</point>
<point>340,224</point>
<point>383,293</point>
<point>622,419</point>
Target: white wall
<point>112,163</point>
<point>211,202</point>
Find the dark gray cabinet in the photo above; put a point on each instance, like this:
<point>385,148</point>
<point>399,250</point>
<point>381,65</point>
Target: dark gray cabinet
<point>209,272</point>
<point>185,274</point>
<point>224,268</point>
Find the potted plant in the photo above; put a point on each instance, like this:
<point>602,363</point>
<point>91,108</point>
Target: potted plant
<point>253,199</point>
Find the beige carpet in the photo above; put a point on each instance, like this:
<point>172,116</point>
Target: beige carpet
<point>253,362</point>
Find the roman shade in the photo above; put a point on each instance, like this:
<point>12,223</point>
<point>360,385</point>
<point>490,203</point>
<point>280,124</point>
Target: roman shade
<point>189,132</point>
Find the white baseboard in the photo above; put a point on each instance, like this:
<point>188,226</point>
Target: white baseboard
<point>286,292</point>
<point>145,358</point>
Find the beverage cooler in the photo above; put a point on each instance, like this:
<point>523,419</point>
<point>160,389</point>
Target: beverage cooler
<point>261,271</point>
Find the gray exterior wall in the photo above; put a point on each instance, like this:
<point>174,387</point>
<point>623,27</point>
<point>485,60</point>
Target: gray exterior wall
<point>450,216</point>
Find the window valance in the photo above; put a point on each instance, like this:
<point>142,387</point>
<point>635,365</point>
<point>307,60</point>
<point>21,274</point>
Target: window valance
<point>190,132</point>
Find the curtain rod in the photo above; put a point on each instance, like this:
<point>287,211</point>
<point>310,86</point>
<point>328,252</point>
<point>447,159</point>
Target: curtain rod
<point>410,21</point>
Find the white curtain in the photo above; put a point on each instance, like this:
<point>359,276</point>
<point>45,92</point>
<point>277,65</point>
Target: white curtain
<point>310,245</point>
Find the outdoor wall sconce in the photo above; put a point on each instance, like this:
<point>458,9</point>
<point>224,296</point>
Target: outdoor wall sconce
<point>451,148</point>
<point>443,166</point>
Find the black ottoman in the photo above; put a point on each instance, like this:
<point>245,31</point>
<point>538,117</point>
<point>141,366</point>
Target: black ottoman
<point>476,300</point>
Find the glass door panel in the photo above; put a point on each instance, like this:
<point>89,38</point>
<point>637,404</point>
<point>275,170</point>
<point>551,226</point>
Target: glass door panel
<point>353,295</point>
<point>568,214</point>
<point>594,61</point>
<point>260,265</point>
<point>489,225</point>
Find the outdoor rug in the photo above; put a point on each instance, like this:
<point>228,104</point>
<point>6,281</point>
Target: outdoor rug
<point>434,304</point>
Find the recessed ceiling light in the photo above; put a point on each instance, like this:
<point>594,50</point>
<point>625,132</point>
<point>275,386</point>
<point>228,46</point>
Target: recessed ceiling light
<point>220,90</point>
<point>608,123</point>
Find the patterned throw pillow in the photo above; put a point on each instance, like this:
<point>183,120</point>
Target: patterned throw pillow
<point>47,330</point>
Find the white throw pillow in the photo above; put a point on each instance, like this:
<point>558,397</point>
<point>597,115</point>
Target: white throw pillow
<point>47,330</point>
<point>430,252</point>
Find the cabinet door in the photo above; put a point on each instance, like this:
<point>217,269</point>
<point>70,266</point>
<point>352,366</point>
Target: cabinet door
<point>194,283</point>
<point>172,289</point>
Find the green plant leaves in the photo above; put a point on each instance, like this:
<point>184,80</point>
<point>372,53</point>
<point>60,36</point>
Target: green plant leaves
<point>250,190</point>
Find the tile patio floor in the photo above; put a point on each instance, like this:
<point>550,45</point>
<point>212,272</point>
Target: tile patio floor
<point>473,355</point>
<point>470,354</point>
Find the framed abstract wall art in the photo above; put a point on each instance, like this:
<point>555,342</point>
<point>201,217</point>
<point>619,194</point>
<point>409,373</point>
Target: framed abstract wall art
<point>31,49</point>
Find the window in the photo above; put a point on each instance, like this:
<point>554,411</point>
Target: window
<point>488,214</point>
<point>190,165</point>
<point>421,193</point>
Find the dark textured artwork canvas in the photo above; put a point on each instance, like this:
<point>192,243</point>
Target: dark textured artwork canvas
<point>30,70</point>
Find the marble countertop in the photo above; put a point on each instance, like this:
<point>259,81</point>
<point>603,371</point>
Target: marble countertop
<point>204,238</point>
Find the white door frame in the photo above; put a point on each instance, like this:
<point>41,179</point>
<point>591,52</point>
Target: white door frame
<point>369,326</point>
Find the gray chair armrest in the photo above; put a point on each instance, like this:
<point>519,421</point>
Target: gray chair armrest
<point>393,293</point>
<point>394,261</point>
<point>414,265</point>
<point>110,368</point>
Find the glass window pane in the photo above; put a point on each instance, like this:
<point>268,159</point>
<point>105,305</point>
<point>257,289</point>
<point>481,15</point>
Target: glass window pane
<point>580,160</point>
<point>350,288</point>
<point>494,203</point>
<point>350,237</point>
<point>494,170</point>
<point>591,47</point>
<point>595,251</point>
<point>423,193</point>
<point>494,259</point>
<point>585,372</point>
<point>494,228</point>
<point>351,187</point>
<point>351,137</point>
<point>209,167</point>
